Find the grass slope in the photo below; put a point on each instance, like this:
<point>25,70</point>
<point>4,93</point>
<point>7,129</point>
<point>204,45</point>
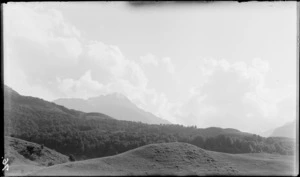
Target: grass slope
<point>175,159</point>
<point>22,162</point>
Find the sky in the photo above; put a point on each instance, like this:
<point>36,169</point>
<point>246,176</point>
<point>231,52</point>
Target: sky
<point>229,65</point>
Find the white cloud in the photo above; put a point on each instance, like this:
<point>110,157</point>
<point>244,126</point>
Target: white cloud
<point>64,48</point>
<point>84,87</point>
<point>45,28</point>
<point>156,61</point>
<point>107,57</point>
<point>46,48</point>
<point>237,93</point>
<point>15,78</point>
<point>112,62</point>
<point>170,67</point>
<point>260,65</point>
<point>149,59</point>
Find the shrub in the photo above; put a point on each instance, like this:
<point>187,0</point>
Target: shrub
<point>71,158</point>
<point>39,152</point>
<point>50,164</point>
<point>30,149</point>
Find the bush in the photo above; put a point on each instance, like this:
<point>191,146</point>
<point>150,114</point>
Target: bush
<point>71,158</point>
<point>50,164</point>
<point>30,149</point>
<point>39,152</point>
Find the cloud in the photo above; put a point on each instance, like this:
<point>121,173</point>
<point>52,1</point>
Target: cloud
<point>45,27</point>
<point>149,59</point>
<point>170,67</point>
<point>157,61</point>
<point>84,87</point>
<point>114,65</point>
<point>14,77</point>
<point>48,55</point>
<point>234,95</point>
<point>42,44</point>
<point>47,49</point>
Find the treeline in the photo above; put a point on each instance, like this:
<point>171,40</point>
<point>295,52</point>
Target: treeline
<point>90,135</point>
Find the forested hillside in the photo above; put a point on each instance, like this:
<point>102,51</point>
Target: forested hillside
<point>89,135</point>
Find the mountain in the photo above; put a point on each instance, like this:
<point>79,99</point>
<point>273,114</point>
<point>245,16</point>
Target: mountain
<point>13,101</point>
<point>92,135</point>
<point>267,133</point>
<point>178,159</point>
<point>26,156</point>
<point>115,105</point>
<point>287,130</point>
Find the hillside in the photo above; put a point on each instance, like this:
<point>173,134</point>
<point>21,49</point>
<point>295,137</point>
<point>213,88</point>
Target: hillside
<point>175,159</point>
<point>91,135</point>
<point>115,105</point>
<point>25,156</point>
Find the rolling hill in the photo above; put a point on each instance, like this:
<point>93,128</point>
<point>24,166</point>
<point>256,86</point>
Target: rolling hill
<point>25,156</point>
<point>115,105</point>
<point>175,159</point>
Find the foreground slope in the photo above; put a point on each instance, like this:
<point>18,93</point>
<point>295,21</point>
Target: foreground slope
<point>22,161</point>
<point>115,105</point>
<point>176,159</point>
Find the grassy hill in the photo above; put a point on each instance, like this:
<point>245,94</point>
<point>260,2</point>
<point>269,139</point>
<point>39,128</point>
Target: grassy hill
<point>25,156</point>
<point>176,159</point>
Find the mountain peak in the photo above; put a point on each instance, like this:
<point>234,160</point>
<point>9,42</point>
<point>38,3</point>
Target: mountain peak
<point>116,95</point>
<point>115,105</point>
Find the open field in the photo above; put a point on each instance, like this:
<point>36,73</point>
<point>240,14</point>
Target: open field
<point>176,159</point>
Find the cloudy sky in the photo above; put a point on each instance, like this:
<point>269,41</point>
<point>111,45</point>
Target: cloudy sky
<point>215,64</point>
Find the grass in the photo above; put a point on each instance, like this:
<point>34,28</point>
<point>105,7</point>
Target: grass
<point>176,159</point>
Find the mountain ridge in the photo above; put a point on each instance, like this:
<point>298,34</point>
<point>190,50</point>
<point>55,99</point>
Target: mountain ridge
<point>286,130</point>
<point>115,105</point>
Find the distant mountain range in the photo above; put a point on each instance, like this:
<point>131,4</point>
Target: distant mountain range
<point>287,130</point>
<point>115,105</point>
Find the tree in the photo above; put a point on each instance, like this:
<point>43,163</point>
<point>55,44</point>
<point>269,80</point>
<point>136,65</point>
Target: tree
<point>198,141</point>
<point>50,164</point>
